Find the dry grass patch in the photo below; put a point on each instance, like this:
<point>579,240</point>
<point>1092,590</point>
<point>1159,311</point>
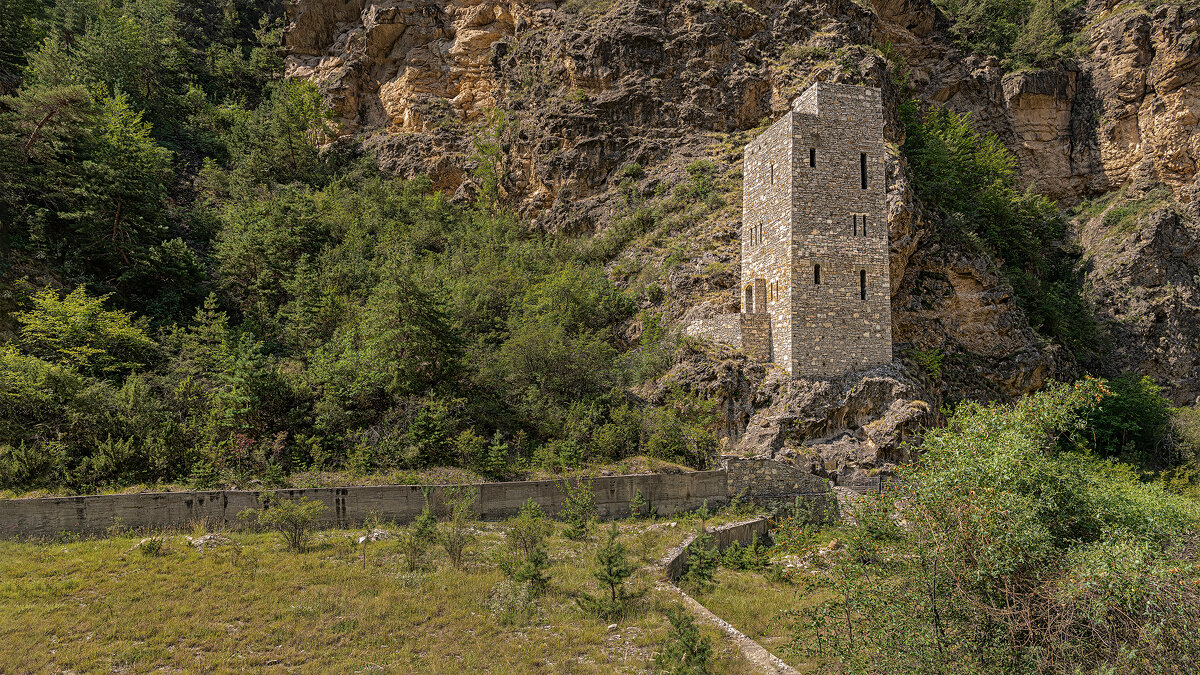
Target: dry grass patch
<point>101,605</point>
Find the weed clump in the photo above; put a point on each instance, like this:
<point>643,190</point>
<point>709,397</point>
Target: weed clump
<point>513,603</point>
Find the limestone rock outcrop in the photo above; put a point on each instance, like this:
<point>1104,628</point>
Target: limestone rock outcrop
<point>1144,281</point>
<point>1125,110</point>
<point>848,428</point>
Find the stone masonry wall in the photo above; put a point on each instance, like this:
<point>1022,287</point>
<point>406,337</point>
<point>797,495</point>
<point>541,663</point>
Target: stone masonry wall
<point>756,336</point>
<point>725,329</point>
<point>776,485</point>
<point>767,232</point>
<point>350,506</point>
<point>839,322</point>
<point>816,238</point>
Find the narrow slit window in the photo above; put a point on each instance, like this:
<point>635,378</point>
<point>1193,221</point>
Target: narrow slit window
<point>812,157</point>
<point>862,284</point>
<point>772,172</point>
<point>864,225</point>
<point>816,275</point>
<point>855,217</point>
<point>862,168</point>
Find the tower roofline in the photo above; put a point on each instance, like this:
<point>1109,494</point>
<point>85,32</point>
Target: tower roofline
<point>809,101</point>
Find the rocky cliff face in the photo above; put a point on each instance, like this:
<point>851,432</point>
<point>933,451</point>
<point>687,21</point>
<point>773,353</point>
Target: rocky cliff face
<point>1127,110</point>
<point>581,114</point>
<point>1142,271</point>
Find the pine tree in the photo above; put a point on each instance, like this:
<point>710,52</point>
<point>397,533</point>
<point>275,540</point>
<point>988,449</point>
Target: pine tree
<point>1041,36</point>
<point>613,569</point>
<point>688,651</point>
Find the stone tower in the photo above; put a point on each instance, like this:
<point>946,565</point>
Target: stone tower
<point>816,297</point>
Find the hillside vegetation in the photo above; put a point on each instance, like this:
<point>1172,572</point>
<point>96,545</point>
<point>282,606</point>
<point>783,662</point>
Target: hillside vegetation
<point>201,285</point>
<point>206,292</point>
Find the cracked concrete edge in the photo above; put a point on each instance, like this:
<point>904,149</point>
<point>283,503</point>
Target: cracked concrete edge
<point>754,653</point>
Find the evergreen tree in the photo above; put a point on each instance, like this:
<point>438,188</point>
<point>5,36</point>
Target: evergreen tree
<point>1040,37</point>
<point>613,569</point>
<point>687,652</point>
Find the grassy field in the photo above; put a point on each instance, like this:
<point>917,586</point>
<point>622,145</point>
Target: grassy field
<point>251,606</point>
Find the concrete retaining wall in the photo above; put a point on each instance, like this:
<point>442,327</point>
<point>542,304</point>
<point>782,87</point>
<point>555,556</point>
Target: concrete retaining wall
<point>348,506</point>
<point>764,482</point>
<point>742,533</point>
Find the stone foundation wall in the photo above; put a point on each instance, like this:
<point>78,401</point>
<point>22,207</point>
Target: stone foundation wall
<point>743,533</point>
<point>350,506</point>
<point>748,332</point>
<point>776,485</point>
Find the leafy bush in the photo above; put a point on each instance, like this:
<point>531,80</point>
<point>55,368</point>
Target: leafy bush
<point>1132,422</point>
<point>292,519</point>
<point>1019,553</point>
<point>456,534</point>
<point>579,507</point>
<point>78,332</point>
<point>152,547</point>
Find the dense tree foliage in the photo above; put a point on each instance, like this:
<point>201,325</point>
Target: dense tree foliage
<point>1017,550</point>
<point>248,297</point>
<point>1022,32</point>
<point>969,179</point>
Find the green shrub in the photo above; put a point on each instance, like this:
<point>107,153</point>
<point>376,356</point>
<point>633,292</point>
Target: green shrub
<point>456,534</point>
<point>1132,422</point>
<point>416,541</point>
<point>638,506</point>
<point>1022,32</point>
<point>754,557</point>
<point>1021,552</point>
<point>292,519</point>
<point>930,360</point>
<point>526,558</point>
<point>702,560</point>
<point>579,507</point>
<point>77,331</point>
